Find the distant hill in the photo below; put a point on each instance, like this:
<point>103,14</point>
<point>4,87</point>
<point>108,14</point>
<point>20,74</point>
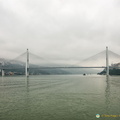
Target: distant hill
<point>18,67</point>
<point>113,70</point>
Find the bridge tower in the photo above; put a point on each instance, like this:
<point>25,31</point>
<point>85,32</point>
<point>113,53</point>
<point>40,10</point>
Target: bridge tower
<point>27,64</point>
<point>3,72</point>
<point>107,62</point>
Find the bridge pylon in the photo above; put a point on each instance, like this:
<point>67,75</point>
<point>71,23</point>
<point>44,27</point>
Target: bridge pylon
<point>107,62</point>
<point>27,64</point>
<point>2,70</point>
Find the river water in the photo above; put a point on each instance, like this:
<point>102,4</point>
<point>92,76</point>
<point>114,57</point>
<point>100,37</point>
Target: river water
<point>60,97</point>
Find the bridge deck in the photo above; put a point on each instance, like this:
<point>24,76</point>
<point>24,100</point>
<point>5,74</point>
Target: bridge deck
<point>59,67</point>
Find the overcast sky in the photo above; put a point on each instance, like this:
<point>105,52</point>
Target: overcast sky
<point>59,29</point>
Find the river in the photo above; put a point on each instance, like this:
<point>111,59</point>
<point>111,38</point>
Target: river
<point>59,97</point>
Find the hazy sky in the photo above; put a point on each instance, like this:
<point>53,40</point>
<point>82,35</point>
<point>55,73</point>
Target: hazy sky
<point>59,29</point>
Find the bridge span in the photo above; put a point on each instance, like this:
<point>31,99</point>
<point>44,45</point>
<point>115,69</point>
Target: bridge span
<point>27,67</point>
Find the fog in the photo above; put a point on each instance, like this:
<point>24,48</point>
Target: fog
<point>67,31</point>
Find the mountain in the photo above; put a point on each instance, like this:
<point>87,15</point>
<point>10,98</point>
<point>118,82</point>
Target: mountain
<point>112,71</point>
<point>18,67</point>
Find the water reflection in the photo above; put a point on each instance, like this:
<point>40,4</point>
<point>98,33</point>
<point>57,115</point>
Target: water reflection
<point>27,99</point>
<point>2,81</point>
<point>107,93</point>
<point>27,83</point>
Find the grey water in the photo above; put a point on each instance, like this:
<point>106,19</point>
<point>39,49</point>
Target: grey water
<point>59,97</point>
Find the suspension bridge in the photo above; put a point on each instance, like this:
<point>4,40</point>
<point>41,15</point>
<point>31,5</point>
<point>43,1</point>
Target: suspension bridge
<point>26,63</point>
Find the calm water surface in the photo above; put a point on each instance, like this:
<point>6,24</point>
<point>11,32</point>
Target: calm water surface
<point>59,97</point>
